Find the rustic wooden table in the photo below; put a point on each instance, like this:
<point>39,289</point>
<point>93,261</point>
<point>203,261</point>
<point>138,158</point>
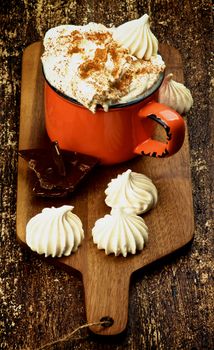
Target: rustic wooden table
<point>171,303</point>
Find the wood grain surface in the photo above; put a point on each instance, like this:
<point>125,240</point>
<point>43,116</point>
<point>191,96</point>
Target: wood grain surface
<point>106,286</point>
<point>171,302</point>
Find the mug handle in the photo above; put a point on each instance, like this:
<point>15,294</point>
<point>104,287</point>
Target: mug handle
<point>173,124</point>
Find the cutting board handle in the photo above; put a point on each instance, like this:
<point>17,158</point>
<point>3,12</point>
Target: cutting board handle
<point>107,299</point>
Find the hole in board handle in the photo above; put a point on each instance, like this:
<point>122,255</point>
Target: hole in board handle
<point>107,321</point>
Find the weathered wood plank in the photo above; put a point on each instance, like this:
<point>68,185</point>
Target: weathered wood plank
<point>171,304</point>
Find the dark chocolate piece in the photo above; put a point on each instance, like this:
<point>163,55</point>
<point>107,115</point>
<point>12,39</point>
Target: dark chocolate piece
<point>58,175</point>
<point>57,158</point>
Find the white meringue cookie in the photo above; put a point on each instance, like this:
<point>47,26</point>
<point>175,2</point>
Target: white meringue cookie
<point>54,232</point>
<point>132,191</point>
<point>175,95</point>
<point>120,233</point>
<point>137,37</point>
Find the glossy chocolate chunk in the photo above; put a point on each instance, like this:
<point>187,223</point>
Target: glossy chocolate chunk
<point>58,172</point>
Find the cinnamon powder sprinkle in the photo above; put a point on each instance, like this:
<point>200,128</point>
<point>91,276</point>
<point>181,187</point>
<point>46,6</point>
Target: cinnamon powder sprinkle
<point>116,51</point>
<point>76,35</point>
<point>75,49</point>
<point>115,72</point>
<point>97,64</point>
<point>101,55</point>
<point>75,39</point>
<point>86,68</point>
<point>124,82</point>
<point>99,38</point>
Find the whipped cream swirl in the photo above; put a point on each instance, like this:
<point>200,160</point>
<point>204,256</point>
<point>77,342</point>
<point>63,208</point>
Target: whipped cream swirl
<point>132,191</point>
<point>120,233</point>
<point>89,65</point>
<point>136,36</point>
<point>54,232</point>
<point>175,95</point>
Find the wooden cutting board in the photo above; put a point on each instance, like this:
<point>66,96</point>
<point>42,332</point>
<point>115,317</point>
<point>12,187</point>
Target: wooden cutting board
<point>106,278</point>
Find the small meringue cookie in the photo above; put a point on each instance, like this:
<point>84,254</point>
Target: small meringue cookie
<point>54,232</point>
<point>120,233</point>
<point>137,37</point>
<point>175,95</point>
<point>132,191</point>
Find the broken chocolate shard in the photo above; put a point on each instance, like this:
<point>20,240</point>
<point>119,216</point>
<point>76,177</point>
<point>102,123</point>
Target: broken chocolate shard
<point>52,182</point>
<point>57,158</point>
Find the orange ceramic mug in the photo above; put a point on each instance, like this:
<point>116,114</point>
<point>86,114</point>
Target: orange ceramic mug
<point>117,135</point>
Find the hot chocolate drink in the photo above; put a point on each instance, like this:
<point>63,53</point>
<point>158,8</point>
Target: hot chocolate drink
<point>101,88</point>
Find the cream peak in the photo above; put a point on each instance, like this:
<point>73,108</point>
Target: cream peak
<point>136,36</point>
